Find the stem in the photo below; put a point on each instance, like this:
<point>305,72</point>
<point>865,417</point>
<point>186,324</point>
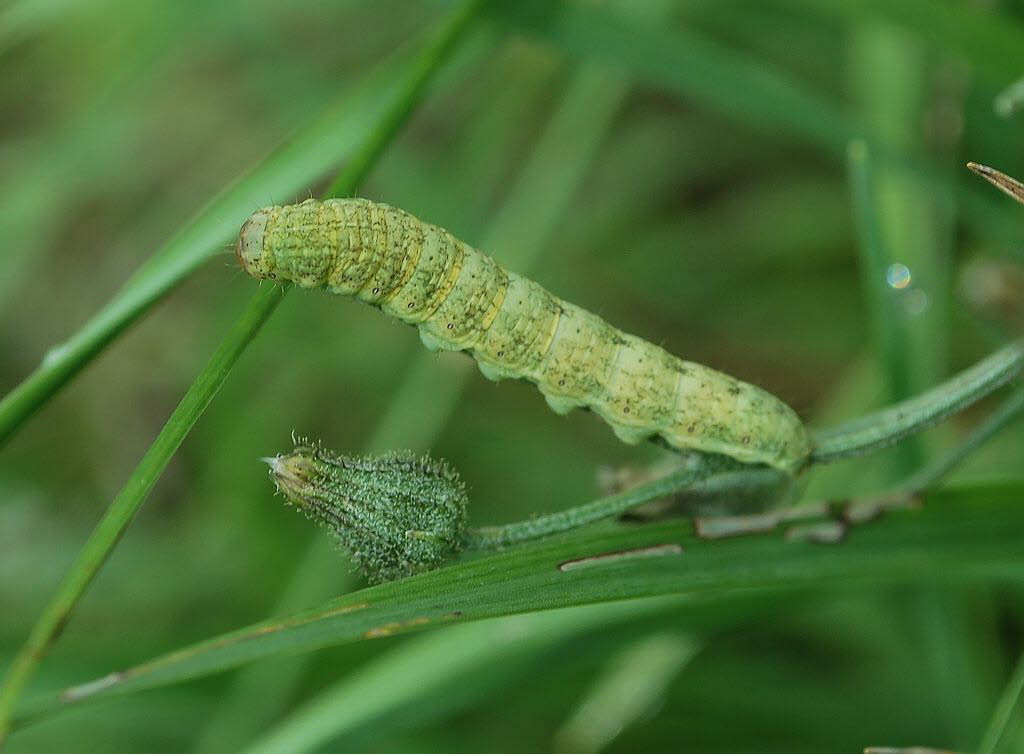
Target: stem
<point>888,426</point>
<point>131,497</point>
<point>495,537</point>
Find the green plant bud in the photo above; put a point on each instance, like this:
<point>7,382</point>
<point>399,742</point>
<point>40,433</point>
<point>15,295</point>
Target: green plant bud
<point>397,514</point>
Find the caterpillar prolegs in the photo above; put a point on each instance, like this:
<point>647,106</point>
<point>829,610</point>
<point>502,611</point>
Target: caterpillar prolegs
<point>462,300</point>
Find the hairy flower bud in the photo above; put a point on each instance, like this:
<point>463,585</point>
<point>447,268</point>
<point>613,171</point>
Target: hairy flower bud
<point>397,514</point>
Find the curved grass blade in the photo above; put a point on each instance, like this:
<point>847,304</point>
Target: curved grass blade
<point>732,82</point>
<point>339,132</point>
<point>888,426</point>
<point>970,534</point>
<point>692,65</point>
<point>633,683</point>
<point>121,511</point>
<point>887,323</point>
<point>1000,732</point>
<point>1004,414</point>
<point>991,40</point>
<point>128,501</point>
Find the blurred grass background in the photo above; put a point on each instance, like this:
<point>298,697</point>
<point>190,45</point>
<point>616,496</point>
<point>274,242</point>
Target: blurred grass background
<point>710,217</point>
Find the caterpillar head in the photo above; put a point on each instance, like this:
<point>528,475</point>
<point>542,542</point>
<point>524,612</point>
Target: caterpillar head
<point>397,514</point>
<point>249,250</point>
<point>294,244</point>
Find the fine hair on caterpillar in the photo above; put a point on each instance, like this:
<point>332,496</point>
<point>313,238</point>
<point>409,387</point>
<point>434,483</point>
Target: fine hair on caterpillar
<point>463,300</point>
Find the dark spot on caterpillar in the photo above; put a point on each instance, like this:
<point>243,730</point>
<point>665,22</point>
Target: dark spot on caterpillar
<point>745,440</point>
<point>625,410</point>
<point>734,390</point>
<point>451,326</point>
<point>501,353</point>
<point>561,382</point>
<point>692,428</point>
<point>376,291</point>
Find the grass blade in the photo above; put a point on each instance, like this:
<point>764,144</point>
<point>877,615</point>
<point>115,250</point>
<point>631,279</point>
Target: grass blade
<point>1008,707</point>
<point>989,38</point>
<point>1006,412</point>
<point>886,321</point>
<point>127,503</point>
<point>744,88</point>
<point>969,534</point>
<point>885,427</point>
<point>694,66</point>
<point>633,683</point>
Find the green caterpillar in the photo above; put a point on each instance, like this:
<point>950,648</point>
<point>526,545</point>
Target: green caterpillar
<point>462,300</point>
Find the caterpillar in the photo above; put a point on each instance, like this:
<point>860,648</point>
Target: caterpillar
<point>463,300</point>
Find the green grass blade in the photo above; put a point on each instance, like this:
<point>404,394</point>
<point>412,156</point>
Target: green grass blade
<point>970,534</point>
<point>742,87</point>
<point>886,321</point>
<point>339,132</point>
<point>694,66</point>
<point>888,426</point>
<point>1005,413</point>
<point>990,39</point>
<point>999,733</point>
<point>633,683</point>
<point>127,503</point>
<point>121,511</point>
<point>889,75</point>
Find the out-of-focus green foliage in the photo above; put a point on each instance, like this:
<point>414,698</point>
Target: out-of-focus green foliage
<point>714,217</point>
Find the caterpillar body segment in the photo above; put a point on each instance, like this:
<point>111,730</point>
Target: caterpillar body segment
<point>461,299</point>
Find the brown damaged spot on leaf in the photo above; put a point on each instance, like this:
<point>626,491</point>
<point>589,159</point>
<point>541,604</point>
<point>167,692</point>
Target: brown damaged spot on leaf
<point>389,629</point>
<point>75,693</point>
<point>275,627</point>
<point>655,551</point>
